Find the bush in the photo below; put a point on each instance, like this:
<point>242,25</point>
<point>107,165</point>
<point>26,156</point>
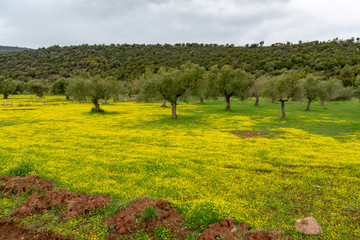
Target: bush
<point>346,93</point>
<point>149,214</point>
<point>23,168</point>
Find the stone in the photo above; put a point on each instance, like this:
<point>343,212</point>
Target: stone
<point>350,208</point>
<point>308,226</point>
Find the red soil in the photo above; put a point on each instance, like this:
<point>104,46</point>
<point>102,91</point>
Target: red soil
<point>12,231</point>
<point>129,220</point>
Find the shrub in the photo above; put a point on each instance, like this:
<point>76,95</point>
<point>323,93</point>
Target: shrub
<point>149,214</point>
<point>23,168</point>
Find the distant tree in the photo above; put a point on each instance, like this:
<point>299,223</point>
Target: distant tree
<point>345,93</point>
<point>283,88</point>
<point>93,88</point>
<point>7,86</point>
<point>20,87</point>
<point>257,88</point>
<point>169,84</point>
<point>199,82</point>
<point>232,82</point>
<point>357,87</point>
<point>329,90</point>
<point>37,86</point>
<point>312,89</point>
<point>59,87</point>
<point>211,82</point>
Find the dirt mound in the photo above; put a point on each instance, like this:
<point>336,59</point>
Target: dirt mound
<point>29,184</point>
<point>73,204</point>
<point>262,235</point>
<point>12,231</point>
<point>225,229</point>
<point>136,217</point>
<point>228,230</point>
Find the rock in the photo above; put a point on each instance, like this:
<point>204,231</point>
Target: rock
<point>308,226</point>
<point>350,208</point>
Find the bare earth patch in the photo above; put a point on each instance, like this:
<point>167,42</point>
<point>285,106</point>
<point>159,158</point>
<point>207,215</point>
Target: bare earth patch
<point>130,219</point>
<point>228,230</point>
<point>254,134</point>
<point>13,231</point>
<point>74,204</point>
<point>18,185</point>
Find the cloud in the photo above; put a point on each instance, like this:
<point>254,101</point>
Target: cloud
<point>39,23</point>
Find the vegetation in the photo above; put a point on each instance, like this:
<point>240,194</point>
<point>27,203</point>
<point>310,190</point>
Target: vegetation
<point>230,82</point>
<point>206,162</point>
<point>6,49</point>
<point>171,84</point>
<point>94,88</point>
<point>308,167</point>
<point>7,86</point>
<point>335,58</point>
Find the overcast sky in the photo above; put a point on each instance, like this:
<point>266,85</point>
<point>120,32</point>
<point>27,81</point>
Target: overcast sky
<point>43,23</point>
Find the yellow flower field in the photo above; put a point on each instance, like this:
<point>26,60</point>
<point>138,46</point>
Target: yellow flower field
<point>135,149</point>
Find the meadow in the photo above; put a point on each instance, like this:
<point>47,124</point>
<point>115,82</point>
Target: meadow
<point>307,165</point>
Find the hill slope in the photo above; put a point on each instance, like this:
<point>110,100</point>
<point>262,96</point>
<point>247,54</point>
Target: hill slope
<point>338,58</point>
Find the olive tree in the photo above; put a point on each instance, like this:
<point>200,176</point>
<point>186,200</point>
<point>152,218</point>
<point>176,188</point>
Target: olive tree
<point>233,82</point>
<point>257,88</point>
<point>357,87</point>
<point>7,86</point>
<point>60,87</point>
<point>93,88</point>
<point>37,86</point>
<point>312,89</point>
<point>329,90</point>
<point>199,84</point>
<point>283,88</point>
<point>169,84</point>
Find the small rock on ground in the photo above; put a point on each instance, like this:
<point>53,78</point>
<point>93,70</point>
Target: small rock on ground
<point>308,226</point>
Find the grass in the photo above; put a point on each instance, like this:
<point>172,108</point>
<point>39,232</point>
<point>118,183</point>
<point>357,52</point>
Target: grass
<point>310,169</point>
<point>149,214</point>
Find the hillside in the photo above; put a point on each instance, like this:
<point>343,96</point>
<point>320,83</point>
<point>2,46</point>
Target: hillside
<point>338,58</point>
<point>6,49</point>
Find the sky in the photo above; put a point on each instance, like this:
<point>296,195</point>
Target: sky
<point>44,23</point>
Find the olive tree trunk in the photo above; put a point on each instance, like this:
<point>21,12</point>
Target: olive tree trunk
<point>256,101</point>
<point>283,108</point>
<point>227,99</point>
<point>201,100</point>
<point>96,104</point>
<point>6,95</point>
<point>173,109</point>
<point>308,104</point>
<point>164,103</point>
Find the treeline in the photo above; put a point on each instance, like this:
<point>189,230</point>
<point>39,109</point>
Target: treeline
<point>170,84</point>
<point>6,49</point>
<point>336,58</point>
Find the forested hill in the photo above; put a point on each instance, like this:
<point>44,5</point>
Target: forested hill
<point>340,58</point>
<point>6,49</point>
